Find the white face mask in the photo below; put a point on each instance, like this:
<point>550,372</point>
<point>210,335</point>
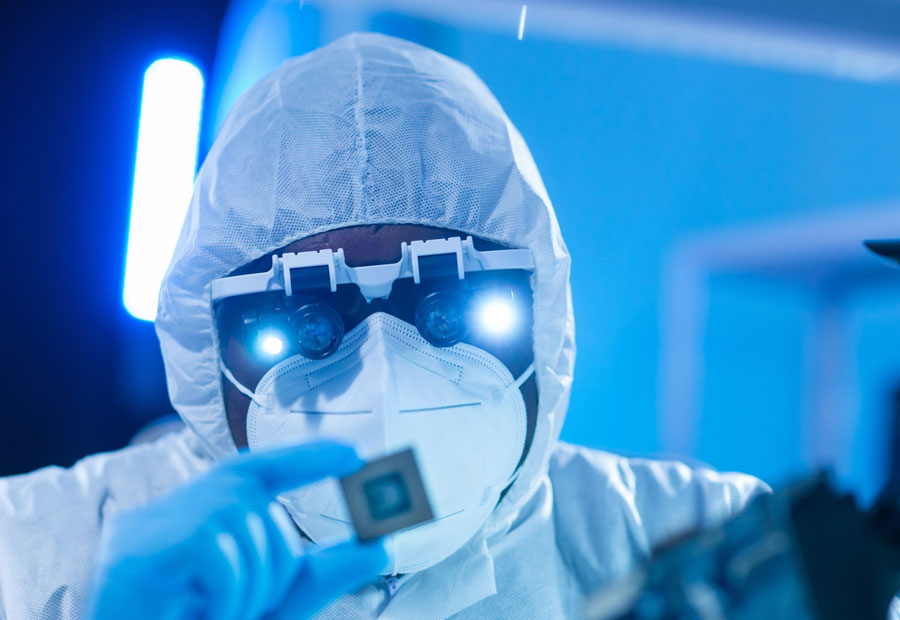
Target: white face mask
<point>384,389</point>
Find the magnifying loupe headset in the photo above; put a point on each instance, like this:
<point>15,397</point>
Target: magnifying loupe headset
<point>307,301</point>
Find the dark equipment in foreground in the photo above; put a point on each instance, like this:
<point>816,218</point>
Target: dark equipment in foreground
<point>888,249</point>
<point>805,553</point>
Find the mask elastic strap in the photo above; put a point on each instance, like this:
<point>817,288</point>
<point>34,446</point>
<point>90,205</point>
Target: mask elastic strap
<point>524,376</point>
<point>516,385</point>
<point>241,387</point>
<point>499,487</point>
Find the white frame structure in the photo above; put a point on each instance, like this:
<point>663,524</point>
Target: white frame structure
<point>823,254</point>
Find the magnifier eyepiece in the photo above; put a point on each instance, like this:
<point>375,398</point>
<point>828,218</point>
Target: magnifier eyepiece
<point>440,318</point>
<point>319,330</point>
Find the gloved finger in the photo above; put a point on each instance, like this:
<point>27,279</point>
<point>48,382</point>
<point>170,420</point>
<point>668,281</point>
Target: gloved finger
<point>253,560</point>
<point>288,468</point>
<point>329,573</point>
<point>271,547</point>
<point>215,560</point>
<point>287,551</point>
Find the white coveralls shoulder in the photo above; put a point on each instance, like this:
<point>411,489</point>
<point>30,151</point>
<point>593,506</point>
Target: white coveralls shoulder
<point>51,519</point>
<point>371,130</point>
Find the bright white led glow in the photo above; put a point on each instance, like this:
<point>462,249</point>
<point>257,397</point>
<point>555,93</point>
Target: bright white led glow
<point>497,315</point>
<point>271,344</point>
<point>163,178</point>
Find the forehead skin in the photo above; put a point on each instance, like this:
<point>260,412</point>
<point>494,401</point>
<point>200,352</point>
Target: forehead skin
<point>373,244</point>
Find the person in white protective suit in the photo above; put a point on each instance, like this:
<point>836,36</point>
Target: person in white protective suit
<point>368,145</point>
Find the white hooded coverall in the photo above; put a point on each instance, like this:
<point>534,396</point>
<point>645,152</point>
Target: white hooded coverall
<point>371,130</point>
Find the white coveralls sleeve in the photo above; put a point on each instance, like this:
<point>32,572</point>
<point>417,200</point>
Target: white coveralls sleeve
<point>51,519</point>
<point>612,511</point>
<point>592,523</point>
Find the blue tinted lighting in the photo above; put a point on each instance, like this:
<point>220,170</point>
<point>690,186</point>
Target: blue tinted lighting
<point>163,177</point>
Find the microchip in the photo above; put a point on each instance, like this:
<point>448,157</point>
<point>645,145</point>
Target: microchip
<point>386,495</point>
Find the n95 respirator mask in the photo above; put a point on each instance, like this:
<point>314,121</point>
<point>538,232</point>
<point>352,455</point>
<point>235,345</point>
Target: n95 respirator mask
<point>384,389</point>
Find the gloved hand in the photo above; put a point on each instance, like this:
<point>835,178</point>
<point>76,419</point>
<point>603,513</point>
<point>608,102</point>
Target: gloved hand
<point>221,548</point>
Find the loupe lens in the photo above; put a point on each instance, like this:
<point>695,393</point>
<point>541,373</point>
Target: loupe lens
<point>319,329</point>
<point>440,317</point>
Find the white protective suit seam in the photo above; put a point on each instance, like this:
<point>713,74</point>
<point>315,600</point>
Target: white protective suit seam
<point>359,118</point>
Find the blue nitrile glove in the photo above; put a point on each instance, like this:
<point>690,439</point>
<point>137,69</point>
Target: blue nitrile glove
<point>220,547</point>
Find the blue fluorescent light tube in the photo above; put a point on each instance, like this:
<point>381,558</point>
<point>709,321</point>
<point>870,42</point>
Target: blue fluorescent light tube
<point>163,178</point>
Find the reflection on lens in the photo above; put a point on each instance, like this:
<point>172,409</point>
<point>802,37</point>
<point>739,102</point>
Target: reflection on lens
<point>440,318</point>
<point>319,329</point>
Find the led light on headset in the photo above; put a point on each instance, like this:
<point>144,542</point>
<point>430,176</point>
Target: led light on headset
<point>496,314</point>
<point>271,344</point>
